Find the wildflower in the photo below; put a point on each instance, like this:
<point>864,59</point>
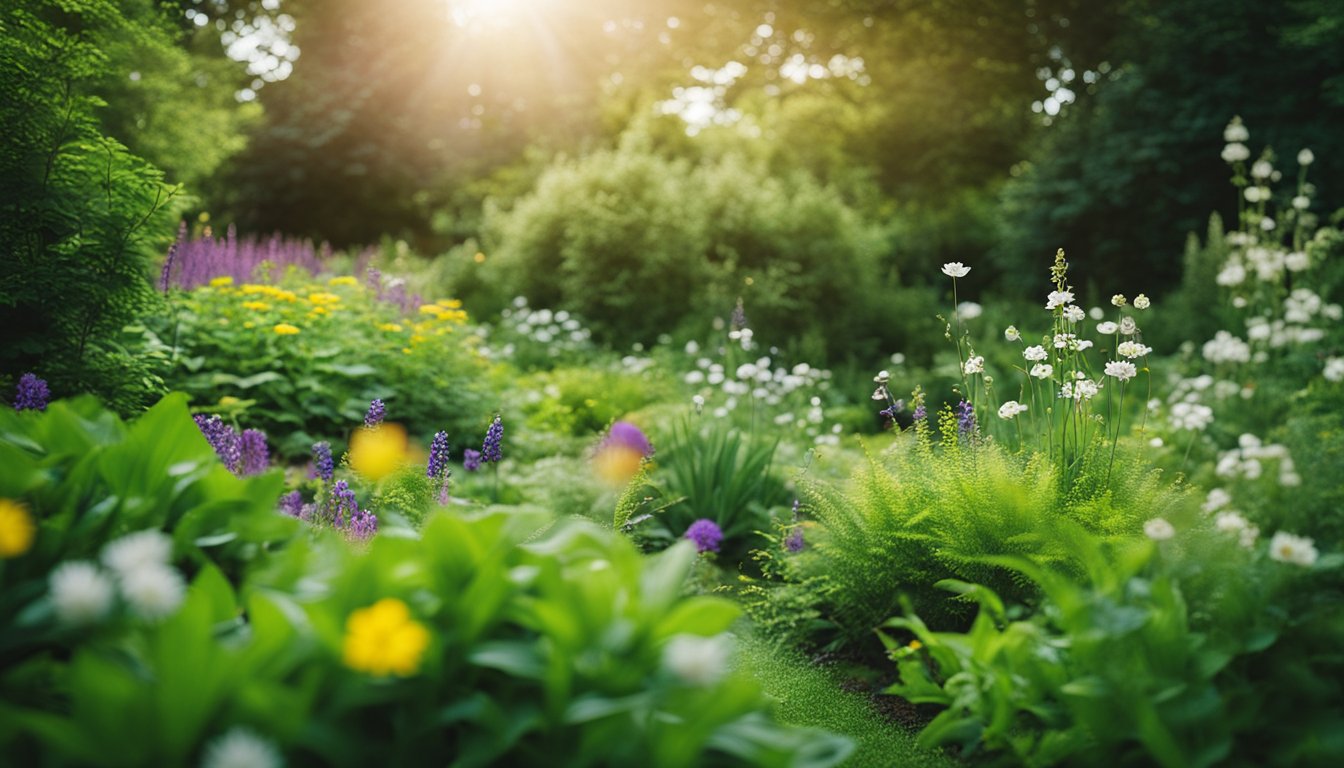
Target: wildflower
<point>322,460</point>
<point>438,456</point>
<point>706,535</point>
<point>343,502</point>
<point>1230,275</point>
<point>1158,529</point>
<point>1128,327</point>
<point>1305,157</point>
<point>1248,536</point>
<point>1062,340</point>
<point>1012,334</point>
<point>1267,224</point>
<point>699,402</point>
<point>1074,313</point>
<point>80,593</point>
<point>1216,500</point>
<point>794,542</point>
<point>16,529</point>
<point>363,524</point>
<point>1226,348</point>
<point>254,454</point>
<point>1133,349</point>
<point>1108,328</point>
<point>33,394</point>
<point>1079,390</point>
<point>1334,369</point>
<point>221,282</point>
<point>149,548</point>
<point>153,591</point>
<point>1262,169</point>
<point>375,414</point>
<point>955,269</point>
<point>1141,302</point>
<point>383,639</point>
<point>976,364</point>
<point>343,280</point>
<point>965,418</point>
<point>621,453</point>
<point>1301,202</point>
<point>1235,131</point>
<point>285,329</point>
<point>969,310</point>
<point>1191,416</point>
<point>1287,548</point>
<point>1118,300</point>
<point>920,413</point>
<point>1230,522</point>
<point>256,306</point>
<point>471,459</point>
<point>224,439</point>
<point>1035,353</point>
<point>490,448</point>
<point>291,504</point>
<point>377,453</point>
<point>1235,152</point>
<point>1042,370</point>
<point>1297,261</point>
<point>737,321</point>
<point>1011,409</point>
<point>241,748</point>
<point>1121,369</point>
<point>697,660</point>
<point>1058,299</point>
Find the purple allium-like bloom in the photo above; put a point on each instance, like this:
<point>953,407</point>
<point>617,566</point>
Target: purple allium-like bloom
<point>255,455</point>
<point>471,459</point>
<point>376,413</point>
<point>627,435</point>
<point>322,461</point>
<point>706,535</point>
<point>965,418</point>
<point>794,542</point>
<point>33,394</point>
<point>490,449</point>
<point>344,505</point>
<point>223,438</point>
<point>438,456</point>
<point>363,525</point>
<point>292,504</point>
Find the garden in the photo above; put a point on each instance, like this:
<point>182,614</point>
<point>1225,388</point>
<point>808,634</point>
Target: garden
<point>757,383</point>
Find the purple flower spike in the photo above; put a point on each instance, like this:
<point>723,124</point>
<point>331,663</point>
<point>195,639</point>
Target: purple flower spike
<point>33,394</point>
<point>224,439</point>
<point>255,456</point>
<point>965,418</point>
<point>706,535</point>
<point>920,413</point>
<point>471,460</point>
<point>322,461</point>
<point>292,504</point>
<point>344,503</point>
<point>794,543</point>
<point>363,525</point>
<point>376,413</point>
<point>490,449</point>
<point>438,456</point>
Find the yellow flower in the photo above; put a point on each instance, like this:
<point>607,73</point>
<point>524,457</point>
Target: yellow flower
<point>323,298</point>
<point>285,329</point>
<point>315,311</point>
<point>285,296</point>
<point>253,288</point>
<point>228,401</point>
<point>390,327</point>
<point>378,452</point>
<point>479,258</point>
<point>432,309</point>
<point>343,280</point>
<point>249,324</point>
<point>417,338</point>
<point>450,303</point>
<point>383,639</point>
<point>258,306</point>
<point>220,282</point>
<point>617,464</point>
<point>16,529</point>
<point>915,645</point>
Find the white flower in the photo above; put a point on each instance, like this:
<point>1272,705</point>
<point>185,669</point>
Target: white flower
<point>130,553</point>
<point>1011,409</point>
<point>153,591</point>
<point>241,748</point>
<point>698,660</point>
<point>1142,302</point>
<point>1082,389</point>
<point>1248,536</point>
<point>1058,299</point>
<point>1082,344</point>
<point>694,377</point>
<point>1297,261</point>
<point>1121,369</point>
<point>969,310</point>
<point>1074,313</point>
<point>882,377</point>
<point>1230,522</point>
<point>1305,157</point>
<point>1127,326</point>
<point>1236,131</point>
<point>1232,274</point>
<point>1267,224</point>
<point>880,393</point>
<point>1012,334</point>
<point>1158,529</point>
<point>1301,202</point>
<point>1133,349</point>
<point>1035,353</point>
<point>1118,300</point>
<point>698,401</point>
<point>1235,153</point>
<point>1252,194</point>
<point>1108,328</point>
<point>692,347</point>
<point>1096,313</point>
<point>1262,169</point>
<point>1063,340</point>
<point>746,371</point>
<point>1191,416</point>
<point>975,364</point>
<point>1226,348</point>
<point>80,593</point>
<point>1334,369</point>
<point>1156,442</point>
<point>1042,370</point>
<point>1216,500</point>
<point>955,269</point>
<point>1287,548</point>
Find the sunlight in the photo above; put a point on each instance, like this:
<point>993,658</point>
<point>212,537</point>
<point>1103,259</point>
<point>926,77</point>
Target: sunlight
<point>493,12</point>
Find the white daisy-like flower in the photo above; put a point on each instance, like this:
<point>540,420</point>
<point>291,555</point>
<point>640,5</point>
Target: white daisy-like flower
<point>1074,313</point>
<point>1012,334</point>
<point>1306,157</point>
<point>1142,302</point>
<point>1216,500</point>
<point>1118,300</point>
<point>1236,131</point>
<point>1128,327</point>
<point>1158,529</point>
<point>1235,152</point>
<point>746,371</point>
<point>1011,409</point>
<point>1254,194</point>
<point>1133,349</point>
<point>975,364</point>
<point>955,269</point>
<point>697,660</point>
<point>1230,522</point>
<point>137,550</point>
<point>80,593</point>
<point>241,748</point>
<point>1042,370</point>
<point>1082,344</point>
<point>1121,369</point>
<point>1058,299</point>
<point>1035,353</point>
<point>1287,548</point>
<point>1230,275</point>
<point>153,591</point>
<point>1262,169</point>
<point>1108,328</point>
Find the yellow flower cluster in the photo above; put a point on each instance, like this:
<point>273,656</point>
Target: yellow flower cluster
<point>285,329</point>
<point>16,529</point>
<point>278,294</point>
<point>383,639</point>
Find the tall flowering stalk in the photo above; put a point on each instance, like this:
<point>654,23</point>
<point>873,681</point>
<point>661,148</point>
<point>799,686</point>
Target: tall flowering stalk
<point>438,469</point>
<point>492,452</point>
<point>32,395</point>
<point>377,411</point>
<point>224,439</point>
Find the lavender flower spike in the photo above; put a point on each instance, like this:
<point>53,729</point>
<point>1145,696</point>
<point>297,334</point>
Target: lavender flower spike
<point>291,504</point>
<point>490,449</point>
<point>255,455</point>
<point>224,439</point>
<point>322,461</point>
<point>33,394</point>
<point>706,534</point>
<point>376,413</point>
<point>965,418</point>
<point>438,456</point>
<point>345,507</point>
<point>471,460</point>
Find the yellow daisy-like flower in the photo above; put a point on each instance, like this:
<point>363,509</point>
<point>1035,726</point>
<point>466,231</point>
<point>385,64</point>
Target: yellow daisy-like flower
<point>383,639</point>
<point>417,338</point>
<point>432,309</point>
<point>256,306</point>
<point>450,303</point>
<point>253,288</point>
<point>317,311</point>
<point>249,324</point>
<point>221,282</point>
<point>479,258</point>
<point>285,329</point>
<point>390,327</point>
<point>289,296</point>
<point>323,298</point>
<point>343,280</point>
<point>16,529</point>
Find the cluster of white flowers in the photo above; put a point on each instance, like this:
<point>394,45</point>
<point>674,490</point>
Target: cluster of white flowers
<point>82,593</point>
<point>1232,522</point>
<point>1080,389</point>
<point>1226,348</point>
<point>770,384</point>
<point>697,660</point>
<point>1334,369</point>
<point>1133,349</point>
<point>1058,299</point>
<point>1035,353</point>
<point>1247,460</point>
<point>556,332</point>
<point>1158,529</point>
<point>975,364</point>
<point>1070,342</point>
<point>1298,550</point>
<point>241,748</point>
<point>1192,416</point>
<point>1121,369</point>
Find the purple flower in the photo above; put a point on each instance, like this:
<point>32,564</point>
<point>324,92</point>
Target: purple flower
<point>374,280</point>
<point>322,461</point>
<point>490,449</point>
<point>255,455</point>
<point>471,459</point>
<point>738,320</point>
<point>292,504</point>
<point>794,541</point>
<point>706,535</point>
<point>345,507</point>
<point>363,525</point>
<point>889,413</point>
<point>223,438</point>
<point>920,413</point>
<point>438,456</point>
<point>376,413</point>
<point>965,418</point>
<point>626,435</point>
<point>33,394</point>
